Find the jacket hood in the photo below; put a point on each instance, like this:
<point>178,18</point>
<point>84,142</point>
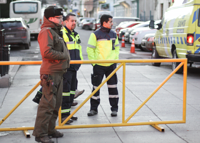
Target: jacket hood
<point>51,24</point>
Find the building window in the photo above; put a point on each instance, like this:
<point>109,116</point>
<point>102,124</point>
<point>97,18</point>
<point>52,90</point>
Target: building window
<point>156,2</point>
<point>169,4</point>
<point>134,9</point>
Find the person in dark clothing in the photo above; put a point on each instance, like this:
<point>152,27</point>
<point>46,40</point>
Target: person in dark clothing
<point>55,61</point>
<point>72,40</point>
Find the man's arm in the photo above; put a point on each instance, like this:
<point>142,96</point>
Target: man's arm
<point>46,47</point>
<point>117,48</point>
<point>91,47</point>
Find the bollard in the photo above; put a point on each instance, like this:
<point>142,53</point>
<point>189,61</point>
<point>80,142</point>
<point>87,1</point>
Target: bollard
<point>2,40</point>
<point>6,57</point>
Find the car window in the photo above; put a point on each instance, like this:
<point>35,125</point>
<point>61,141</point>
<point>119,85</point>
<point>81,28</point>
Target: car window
<point>11,24</point>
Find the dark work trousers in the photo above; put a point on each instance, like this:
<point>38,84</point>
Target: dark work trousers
<point>47,113</point>
<point>98,74</point>
<point>69,88</point>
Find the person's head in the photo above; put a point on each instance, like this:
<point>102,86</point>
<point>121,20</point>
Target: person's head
<point>70,21</point>
<point>54,14</point>
<point>106,21</point>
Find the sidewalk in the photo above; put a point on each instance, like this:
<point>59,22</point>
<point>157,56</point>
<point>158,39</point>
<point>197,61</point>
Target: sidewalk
<point>141,81</point>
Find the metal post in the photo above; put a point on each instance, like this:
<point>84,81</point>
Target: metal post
<point>2,39</point>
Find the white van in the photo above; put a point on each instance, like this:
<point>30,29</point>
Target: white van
<point>178,34</point>
<point>30,11</point>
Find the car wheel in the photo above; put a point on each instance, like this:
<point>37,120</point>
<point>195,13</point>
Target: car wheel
<point>155,55</point>
<point>26,46</point>
<point>87,28</point>
<point>141,48</point>
<point>175,64</point>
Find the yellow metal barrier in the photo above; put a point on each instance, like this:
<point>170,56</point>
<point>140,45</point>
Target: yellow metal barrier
<point>183,62</point>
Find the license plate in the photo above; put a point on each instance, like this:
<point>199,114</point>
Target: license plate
<point>9,36</point>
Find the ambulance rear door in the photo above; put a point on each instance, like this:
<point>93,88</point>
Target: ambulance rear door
<point>197,31</point>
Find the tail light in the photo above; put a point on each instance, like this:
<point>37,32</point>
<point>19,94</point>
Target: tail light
<point>135,33</point>
<point>150,39</point>
<point>190,39</point>
<point>21,28</point>
<point>40,21</point>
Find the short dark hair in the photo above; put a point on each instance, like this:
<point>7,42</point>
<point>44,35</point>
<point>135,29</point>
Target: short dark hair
<point>68,15</point>
<point>105,18</point>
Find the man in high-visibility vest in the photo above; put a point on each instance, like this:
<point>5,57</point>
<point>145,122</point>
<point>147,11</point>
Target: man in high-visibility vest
<point>72,40</point>
<point>103,44</point>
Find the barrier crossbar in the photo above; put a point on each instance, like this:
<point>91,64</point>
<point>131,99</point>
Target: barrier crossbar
<point>183,62</point>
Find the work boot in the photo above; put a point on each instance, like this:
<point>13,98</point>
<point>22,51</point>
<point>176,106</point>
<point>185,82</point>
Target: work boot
<point>114,113</point>
<point>68,122</point>
<point>74,103</point>
<point>92,113</point>
<point>37,97</point>
<point>45,139</point>
<point>78,93</point>
<point>74,118</point>
<point>57,134</point>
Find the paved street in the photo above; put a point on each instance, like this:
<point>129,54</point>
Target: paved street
<point>141,81</point>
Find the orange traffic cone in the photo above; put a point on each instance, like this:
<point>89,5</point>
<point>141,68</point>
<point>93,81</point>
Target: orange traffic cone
<point>132,46</point>
<point>123,42</point>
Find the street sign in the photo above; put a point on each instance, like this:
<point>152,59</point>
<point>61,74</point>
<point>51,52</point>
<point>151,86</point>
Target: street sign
<point>3,1</point>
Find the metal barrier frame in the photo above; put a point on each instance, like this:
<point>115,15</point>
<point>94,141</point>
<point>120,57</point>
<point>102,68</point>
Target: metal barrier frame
<point>155,124</point>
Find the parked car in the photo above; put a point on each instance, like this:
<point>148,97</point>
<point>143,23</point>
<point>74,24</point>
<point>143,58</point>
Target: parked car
<point>87,23</point>
<point>118,20</point>
<point>128,24</point>
<point>128,31</point>
<point>16,32</point>
<point>138,35</point>
<point>148,42</point>
<point>79,20</point>
<point>96,24</point>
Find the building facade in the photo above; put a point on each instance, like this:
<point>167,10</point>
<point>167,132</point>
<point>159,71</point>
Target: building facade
<point>143,9</point>
<point>160,7</point>
<point>126,8</point>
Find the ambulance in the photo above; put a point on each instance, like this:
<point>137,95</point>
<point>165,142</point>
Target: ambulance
<point>178,34</point>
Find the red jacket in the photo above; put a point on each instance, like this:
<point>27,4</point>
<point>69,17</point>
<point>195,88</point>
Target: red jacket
<point>55,54</point>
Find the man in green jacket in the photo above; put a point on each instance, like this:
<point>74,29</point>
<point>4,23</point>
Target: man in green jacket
<point>55,61</point>
<point>103,45</point>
